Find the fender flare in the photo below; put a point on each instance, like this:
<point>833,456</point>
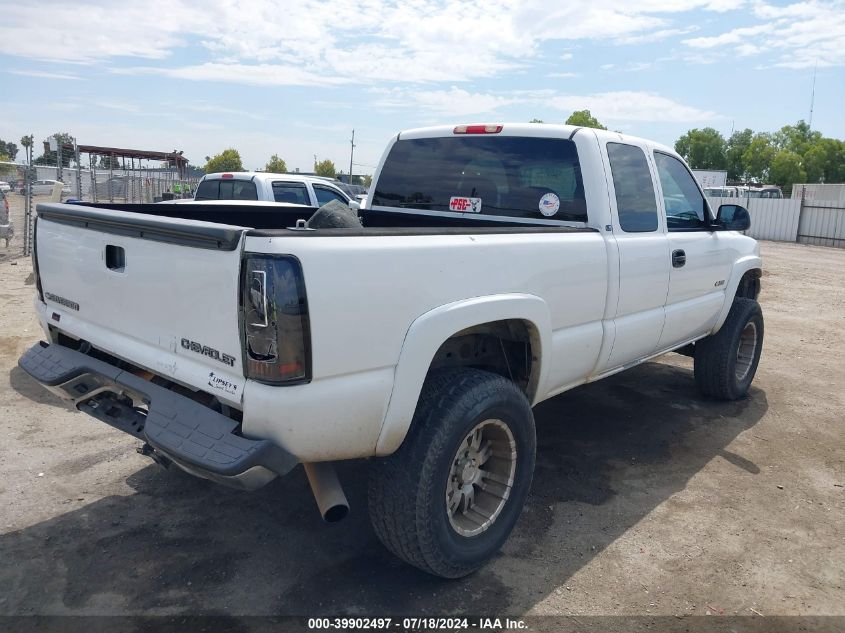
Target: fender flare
<point>741,266</point>
<point>430,330</point>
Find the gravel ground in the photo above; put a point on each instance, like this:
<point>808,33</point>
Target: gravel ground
<point>647,499</point>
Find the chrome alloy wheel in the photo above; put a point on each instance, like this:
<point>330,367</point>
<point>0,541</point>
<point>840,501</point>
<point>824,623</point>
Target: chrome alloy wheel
<point>481,477</point>
<point>745,350</point>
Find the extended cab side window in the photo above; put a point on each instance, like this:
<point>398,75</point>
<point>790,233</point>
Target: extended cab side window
<point>326,195</point>
<point>686,208</point>
<point>635,199</point>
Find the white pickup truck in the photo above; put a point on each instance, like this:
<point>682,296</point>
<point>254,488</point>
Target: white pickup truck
<point>493,267</point>
<point>269,187</point>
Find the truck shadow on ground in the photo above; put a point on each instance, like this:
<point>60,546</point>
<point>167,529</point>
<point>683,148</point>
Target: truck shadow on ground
<point>619,448</point>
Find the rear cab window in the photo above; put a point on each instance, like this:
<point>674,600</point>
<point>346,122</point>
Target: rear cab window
<point>537,179</point>
<point>226,189</point>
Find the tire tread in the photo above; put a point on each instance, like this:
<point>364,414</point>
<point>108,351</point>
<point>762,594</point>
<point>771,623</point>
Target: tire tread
<point>396,486</point>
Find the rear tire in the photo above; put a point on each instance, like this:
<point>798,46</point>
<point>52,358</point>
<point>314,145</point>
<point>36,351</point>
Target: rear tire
<point>725,362</point>
<point>442,501</point>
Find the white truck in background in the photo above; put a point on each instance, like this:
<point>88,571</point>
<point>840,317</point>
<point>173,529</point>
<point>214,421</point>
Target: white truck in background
<point>497,266</point>
<point>268,187</point>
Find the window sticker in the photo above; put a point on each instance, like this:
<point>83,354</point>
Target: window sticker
<point>466,205</point>
<point>549,204</point>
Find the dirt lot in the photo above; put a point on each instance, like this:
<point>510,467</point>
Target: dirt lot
<point>646,500</point>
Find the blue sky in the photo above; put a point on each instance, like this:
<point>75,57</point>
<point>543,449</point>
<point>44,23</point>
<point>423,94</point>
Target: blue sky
<point>294,78</point>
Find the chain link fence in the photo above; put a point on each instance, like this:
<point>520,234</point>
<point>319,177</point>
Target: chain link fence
<point>24,186</point>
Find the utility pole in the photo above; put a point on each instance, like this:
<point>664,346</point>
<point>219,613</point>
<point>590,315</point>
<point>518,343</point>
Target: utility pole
<point>813,96</point>
<point>351,153</point>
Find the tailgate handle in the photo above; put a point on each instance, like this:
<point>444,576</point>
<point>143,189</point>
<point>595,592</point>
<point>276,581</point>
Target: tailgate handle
<point>115,258</point>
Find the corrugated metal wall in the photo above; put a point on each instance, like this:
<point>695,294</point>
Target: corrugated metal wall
<point>771,218</point>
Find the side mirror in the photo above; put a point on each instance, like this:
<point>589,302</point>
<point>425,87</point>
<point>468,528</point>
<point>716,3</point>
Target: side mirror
<point>354,205</point>
<point>732,217</point>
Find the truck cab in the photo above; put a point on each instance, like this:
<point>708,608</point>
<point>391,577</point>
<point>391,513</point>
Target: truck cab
<point>263,186</point>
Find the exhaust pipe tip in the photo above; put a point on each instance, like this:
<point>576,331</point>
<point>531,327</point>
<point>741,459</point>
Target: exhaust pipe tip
<point>335,513</point>
<point>328,493</point>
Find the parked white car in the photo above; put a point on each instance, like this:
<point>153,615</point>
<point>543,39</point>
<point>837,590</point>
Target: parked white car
<point>497,266</point>
<point>5,187</point>
<point>45,188</point>
<point>250,185</point>
<point>6,228</point>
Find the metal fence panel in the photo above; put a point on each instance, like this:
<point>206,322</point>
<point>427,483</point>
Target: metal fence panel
<point>822,223</point>
<point>771,218</point>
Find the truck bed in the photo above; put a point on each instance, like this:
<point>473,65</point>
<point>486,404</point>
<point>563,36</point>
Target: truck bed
<point>267,220</point>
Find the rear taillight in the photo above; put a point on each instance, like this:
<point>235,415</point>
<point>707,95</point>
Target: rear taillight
<point>477,129</point>
<point>274,309</point>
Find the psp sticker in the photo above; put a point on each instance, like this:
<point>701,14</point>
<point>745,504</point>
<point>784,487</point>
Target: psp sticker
<point>549,204</point>
<point>465,205</point>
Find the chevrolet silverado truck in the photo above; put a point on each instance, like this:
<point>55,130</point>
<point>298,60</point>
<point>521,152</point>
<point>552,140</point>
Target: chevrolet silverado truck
<point>493,267</point>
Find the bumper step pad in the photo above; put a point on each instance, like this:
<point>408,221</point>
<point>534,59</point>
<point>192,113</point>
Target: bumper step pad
<point>179,427</point>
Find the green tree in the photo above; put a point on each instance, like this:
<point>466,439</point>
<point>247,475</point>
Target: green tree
<point>9,150</point>
<point>227,160</point>
<point>703,149</point>
<point>367,181</point>
<point>786,169</point>
<point>583,118</point>
<point>536,121</point>
<point>757,158</point>
<point>796,138</point>
<point>734,149</point>
<point>109,162</point>
<point>325,168</point>
<point>815,161</point>
<point>276,165</point>
<point>834,169</point>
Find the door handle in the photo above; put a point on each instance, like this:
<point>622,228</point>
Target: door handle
<point>679,258</point>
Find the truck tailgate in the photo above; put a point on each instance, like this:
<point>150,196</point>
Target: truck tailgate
<point>160,292</point>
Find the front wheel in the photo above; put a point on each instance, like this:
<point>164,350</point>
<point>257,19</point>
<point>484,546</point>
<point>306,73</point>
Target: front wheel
<point>447,500</point>
<point>725,362</point>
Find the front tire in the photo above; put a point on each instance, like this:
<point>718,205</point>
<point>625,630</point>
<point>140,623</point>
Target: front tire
<point>725,362</point>
<point>449,497</point>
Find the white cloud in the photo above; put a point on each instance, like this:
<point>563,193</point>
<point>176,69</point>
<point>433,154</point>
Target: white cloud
<point>797,35</point>
<point>308,42</point>
<point>632,106</point>
<point>455,102</point>
<point>562,75</point>
<point>734,36</point>
<point>656,36</point>
<point>610,106</point>
<point>251,74</point>
<point>42,74</point>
